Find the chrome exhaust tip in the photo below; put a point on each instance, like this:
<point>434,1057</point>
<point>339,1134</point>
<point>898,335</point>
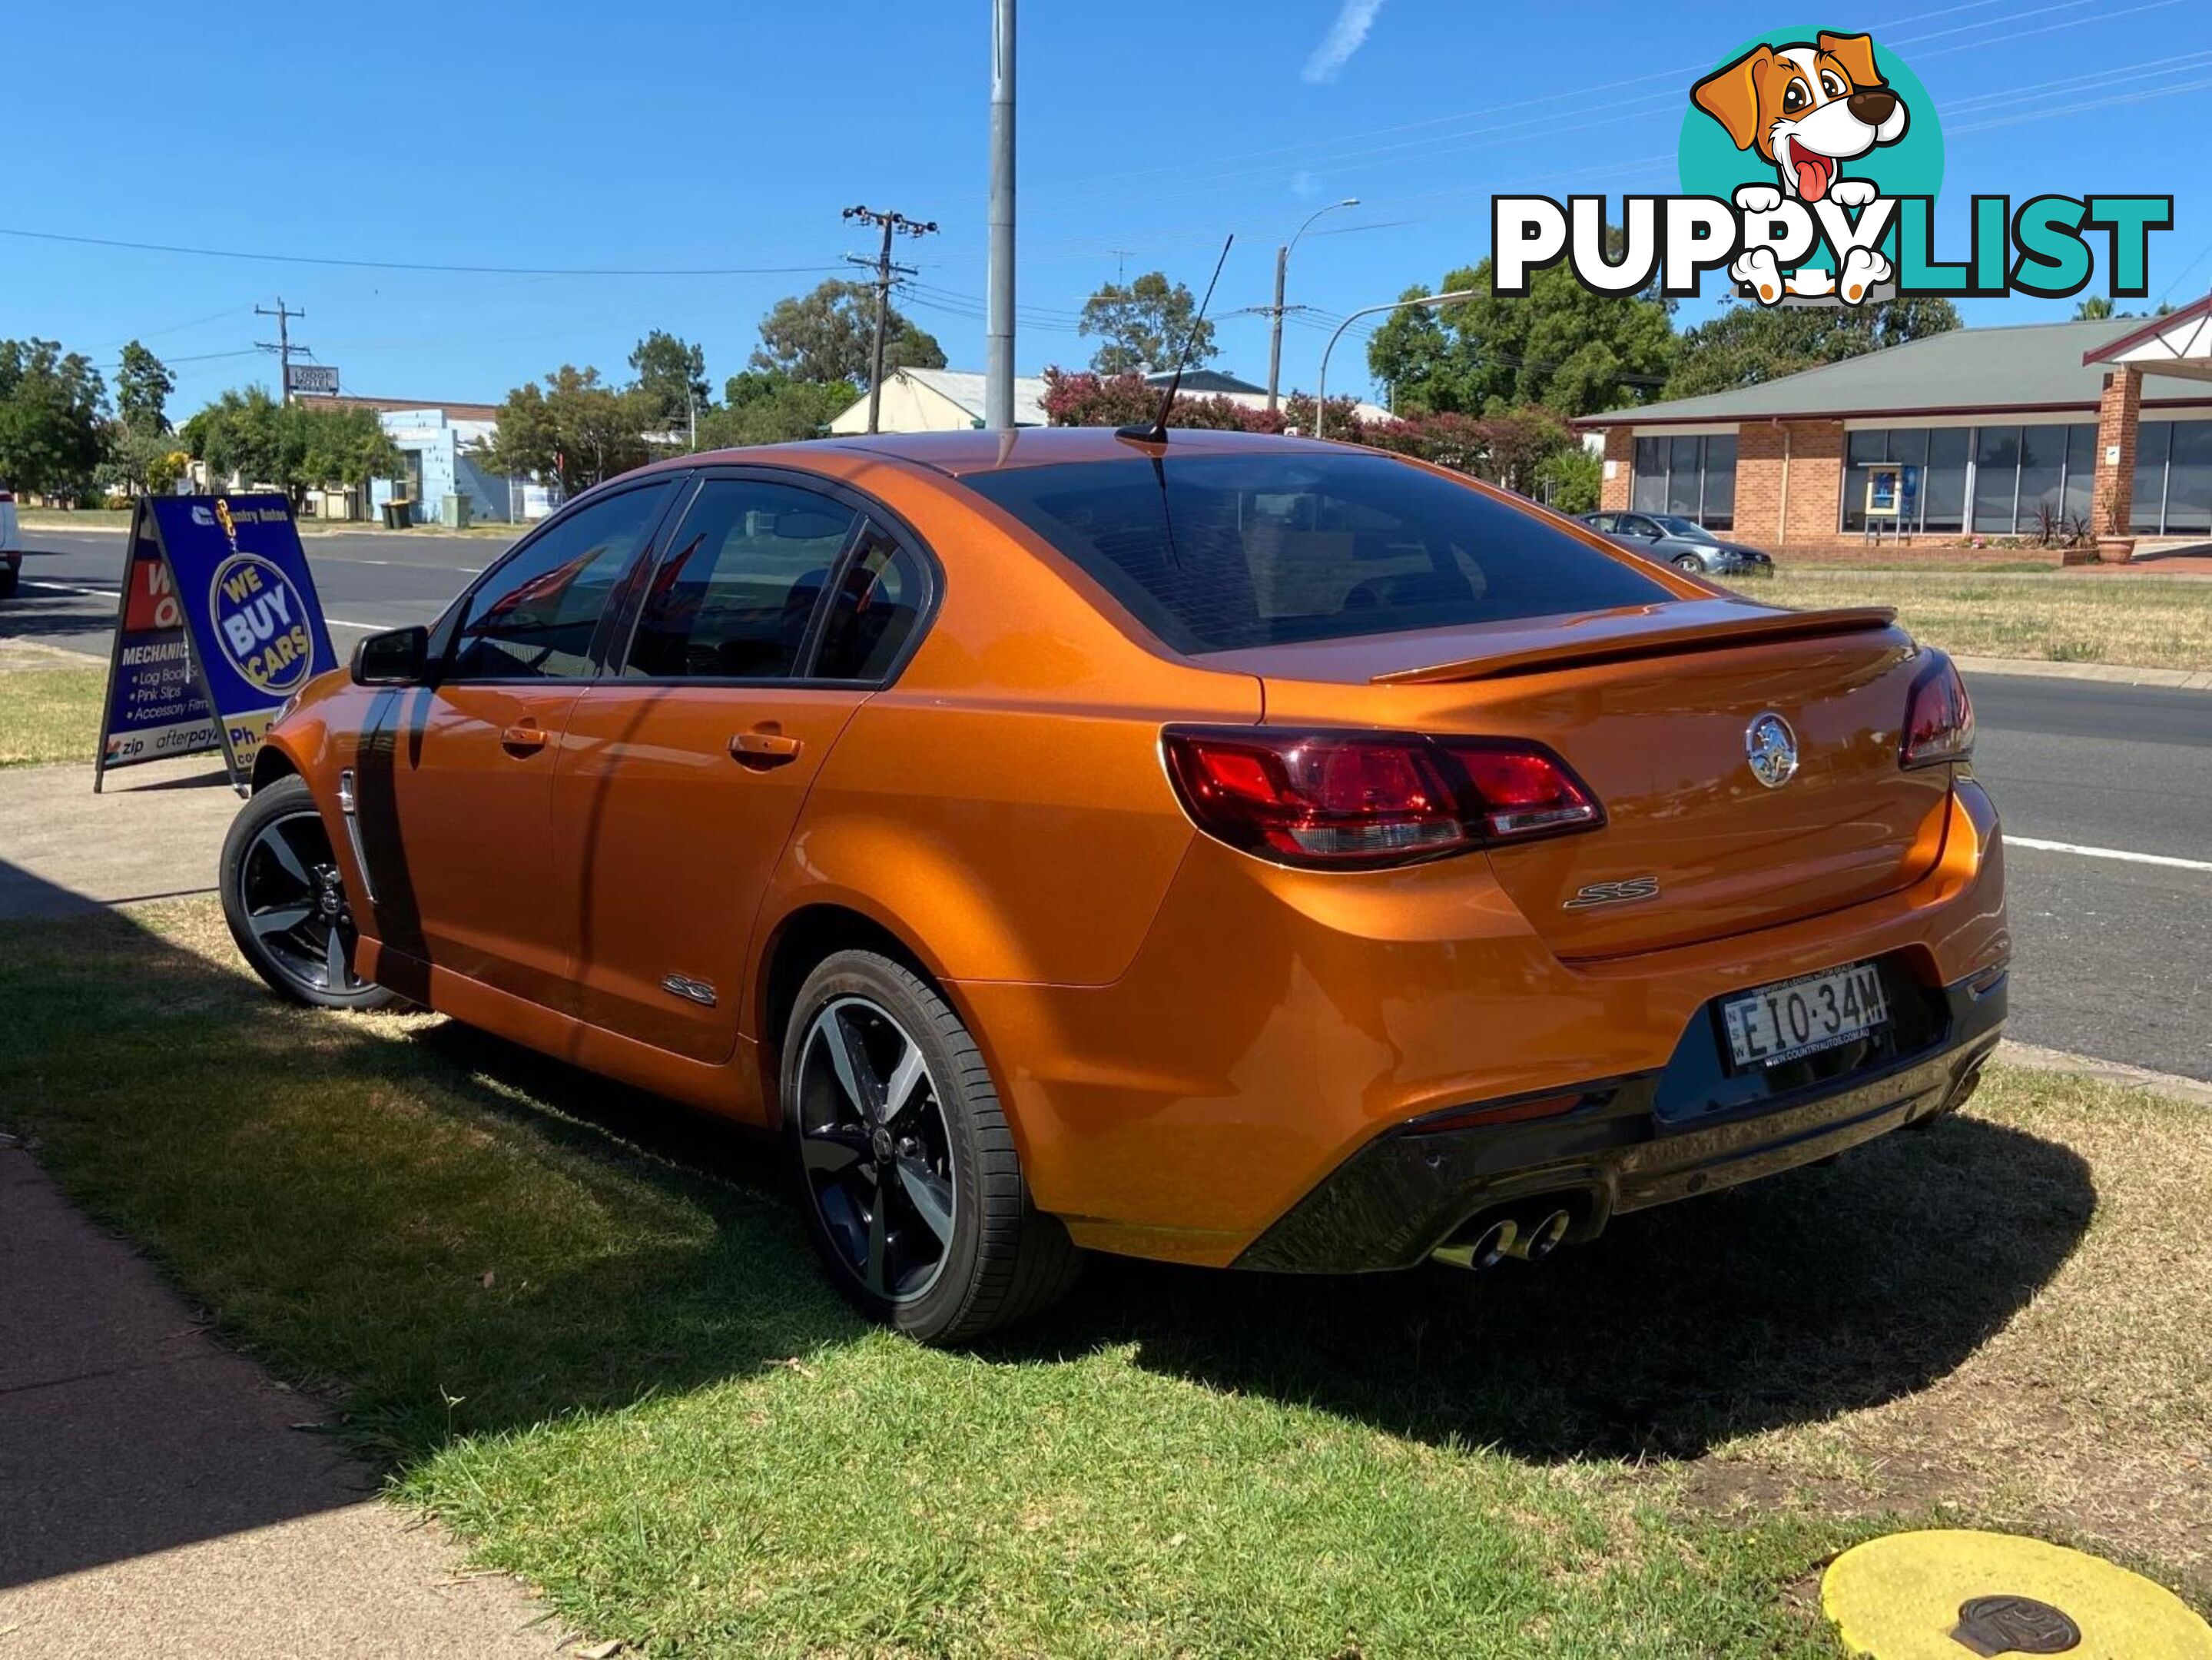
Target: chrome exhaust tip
<point>1485,1250</point>
<point>1540,1237</point>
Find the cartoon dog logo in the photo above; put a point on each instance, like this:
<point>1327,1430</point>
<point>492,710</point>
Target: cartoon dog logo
<point>1807,107</point>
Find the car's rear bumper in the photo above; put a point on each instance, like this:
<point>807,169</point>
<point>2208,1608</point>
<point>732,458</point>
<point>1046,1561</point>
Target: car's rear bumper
<point>1628,1143</point>
<point>1275,1024</point>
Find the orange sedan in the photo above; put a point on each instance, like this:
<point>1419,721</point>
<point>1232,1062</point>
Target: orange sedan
<point>1242,851</point>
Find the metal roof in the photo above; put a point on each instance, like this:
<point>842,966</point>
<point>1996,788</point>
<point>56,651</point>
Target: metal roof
<point>2021,366</point>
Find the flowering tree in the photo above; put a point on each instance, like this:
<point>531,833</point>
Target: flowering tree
<point>1510,448</point>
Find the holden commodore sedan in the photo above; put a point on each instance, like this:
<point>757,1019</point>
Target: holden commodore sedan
<point>1236,850</point>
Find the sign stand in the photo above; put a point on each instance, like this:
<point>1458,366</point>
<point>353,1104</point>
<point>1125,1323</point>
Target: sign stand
<point>217,625</point>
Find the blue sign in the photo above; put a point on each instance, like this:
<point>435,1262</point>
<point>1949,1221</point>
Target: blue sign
<point>252,630</point>
<point>155,708</point>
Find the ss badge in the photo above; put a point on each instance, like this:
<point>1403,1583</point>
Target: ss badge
<point>1613,893</point>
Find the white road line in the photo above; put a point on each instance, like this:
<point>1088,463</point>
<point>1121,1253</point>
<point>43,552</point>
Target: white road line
<point>2166,859</point>
<point>110,594</point>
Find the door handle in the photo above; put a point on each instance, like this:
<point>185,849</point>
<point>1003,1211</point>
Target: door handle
<point>760,751</point>
<point>523,740</point>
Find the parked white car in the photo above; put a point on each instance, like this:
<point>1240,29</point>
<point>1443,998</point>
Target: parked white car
<point>11,545</point>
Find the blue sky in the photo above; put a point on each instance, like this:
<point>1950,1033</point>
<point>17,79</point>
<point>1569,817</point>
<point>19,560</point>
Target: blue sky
<point>695,134</point>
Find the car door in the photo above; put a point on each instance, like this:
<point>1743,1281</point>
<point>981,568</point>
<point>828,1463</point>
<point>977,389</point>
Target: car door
<point>777,606</point>
<point>455,779</point>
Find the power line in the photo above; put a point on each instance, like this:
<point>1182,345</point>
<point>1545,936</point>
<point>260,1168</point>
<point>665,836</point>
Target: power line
<point>407,264</point>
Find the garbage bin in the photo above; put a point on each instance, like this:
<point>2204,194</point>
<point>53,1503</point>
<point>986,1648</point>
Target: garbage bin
<point>457,512</point>
<point>396,516</point>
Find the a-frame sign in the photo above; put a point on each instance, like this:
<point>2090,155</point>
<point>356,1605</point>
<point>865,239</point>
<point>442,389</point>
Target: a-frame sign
<point>217,625</point>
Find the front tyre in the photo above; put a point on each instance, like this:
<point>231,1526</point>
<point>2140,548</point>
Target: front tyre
<point>913,1190</point>
<point>1691,563</point>
<point>286,905</point>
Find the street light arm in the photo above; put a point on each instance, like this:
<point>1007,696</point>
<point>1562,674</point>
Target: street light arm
<point>1320,395</point>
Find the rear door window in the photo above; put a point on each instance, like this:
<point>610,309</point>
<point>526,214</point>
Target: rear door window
<point>739,586</point>
<point>1219,552</point>
<point>878,606</point>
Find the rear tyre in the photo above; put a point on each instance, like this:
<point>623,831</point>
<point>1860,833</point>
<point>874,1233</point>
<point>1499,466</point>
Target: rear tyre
<point>912,1188</point>
<point>286,905</point>
<point>8,577</point>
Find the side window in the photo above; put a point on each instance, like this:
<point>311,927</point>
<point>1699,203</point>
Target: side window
<point>1604,523</point>
<point>534,618</point>
<point>739,583</point>
<point>877,608</point>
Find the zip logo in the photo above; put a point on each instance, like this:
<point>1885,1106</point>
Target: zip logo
<point>1810,163</point>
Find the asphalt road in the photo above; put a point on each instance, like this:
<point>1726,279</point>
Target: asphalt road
<point>2114,955</point>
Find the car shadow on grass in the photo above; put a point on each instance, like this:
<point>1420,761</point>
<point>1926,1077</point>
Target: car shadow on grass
<point>465,1238</point>
<point>1781,1303</point>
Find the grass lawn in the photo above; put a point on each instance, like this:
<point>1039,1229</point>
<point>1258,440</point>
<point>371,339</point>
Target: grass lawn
<point>583,1327</point>
<point>49,706</point>
<point>2137,622</point>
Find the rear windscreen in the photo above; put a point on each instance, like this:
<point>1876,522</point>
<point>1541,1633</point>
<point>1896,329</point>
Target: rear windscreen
<point>1216,552</point>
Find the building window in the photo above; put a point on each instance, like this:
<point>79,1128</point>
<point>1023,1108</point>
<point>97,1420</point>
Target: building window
<point>2024,474</point>
<point>1931,465</point>
<point>1694,477</point>
<point>2173,479</point>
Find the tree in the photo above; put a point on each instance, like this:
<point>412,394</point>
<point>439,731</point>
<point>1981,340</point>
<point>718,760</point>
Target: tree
<point>293,447</point>
<point>1748,344</point>
<point>768,409</point>
<point>53,410</point>
<point>2094,309</point>
<point>142,386</point>
<point>579,429</point>
<point>827,335</point>
<point>1080,399</point>
<point>672,375</point>
<point>1145,326</point>
<point>1568,481</point>
<point>1562,346</point>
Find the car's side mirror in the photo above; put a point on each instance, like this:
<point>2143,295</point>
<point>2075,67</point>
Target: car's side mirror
<point>399,657</point>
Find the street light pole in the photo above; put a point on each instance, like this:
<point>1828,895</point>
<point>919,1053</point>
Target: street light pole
<point>1320,393</point>
<point>998,346</point>
<point>1282,269</point>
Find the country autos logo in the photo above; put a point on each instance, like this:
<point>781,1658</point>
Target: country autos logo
<point>1810,162</point>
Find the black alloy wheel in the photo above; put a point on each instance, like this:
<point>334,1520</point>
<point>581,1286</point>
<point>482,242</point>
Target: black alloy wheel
<point>912,1188</point>
<point>877,1155</point>
<point>285,902</point>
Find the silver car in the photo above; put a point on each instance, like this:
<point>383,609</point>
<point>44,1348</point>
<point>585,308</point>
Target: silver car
<point>1683,543</point>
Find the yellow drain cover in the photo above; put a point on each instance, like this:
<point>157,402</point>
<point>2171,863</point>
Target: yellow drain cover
<point>1949,1595</point>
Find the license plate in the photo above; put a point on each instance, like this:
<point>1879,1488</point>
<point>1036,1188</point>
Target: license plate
<point>1797,1017</point>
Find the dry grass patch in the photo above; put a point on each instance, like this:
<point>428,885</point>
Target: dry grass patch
<point>2135,622</point>
<point>49,706</point>
<point>2090,1410</point>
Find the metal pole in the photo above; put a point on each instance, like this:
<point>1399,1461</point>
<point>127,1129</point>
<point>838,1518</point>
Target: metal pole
<point>999,351</point>
<point>1320,393</point>
<point>1275,334</point>
<point>1282,269</point>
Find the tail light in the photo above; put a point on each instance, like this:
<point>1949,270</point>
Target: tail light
<point>1361,800</point>
<point>1938,717</point>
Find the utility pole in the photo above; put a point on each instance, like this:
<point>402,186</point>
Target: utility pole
<point>1282,269</point>
<point>999,347</point>
<point>893,224</point>
<point>283,346</point>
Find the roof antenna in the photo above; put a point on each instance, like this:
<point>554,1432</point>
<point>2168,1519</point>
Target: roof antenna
<point>1157,432</point>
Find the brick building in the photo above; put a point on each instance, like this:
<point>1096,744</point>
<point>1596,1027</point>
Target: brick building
<point>1980,432</point>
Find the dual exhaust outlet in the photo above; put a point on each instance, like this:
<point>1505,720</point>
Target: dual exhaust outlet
<point>1531,1235</point>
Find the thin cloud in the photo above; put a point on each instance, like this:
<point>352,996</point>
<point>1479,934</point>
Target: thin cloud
<point>1345,36</point>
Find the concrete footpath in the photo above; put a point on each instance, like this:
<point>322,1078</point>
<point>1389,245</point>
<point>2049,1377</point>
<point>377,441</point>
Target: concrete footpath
<point>160,1494</point>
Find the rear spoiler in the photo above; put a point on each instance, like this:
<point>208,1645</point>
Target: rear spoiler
<point>1607,640</point>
